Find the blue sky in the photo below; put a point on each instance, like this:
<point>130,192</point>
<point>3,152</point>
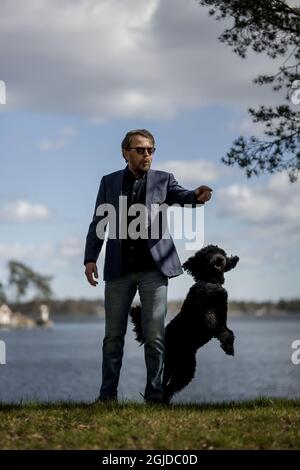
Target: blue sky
<point>78,76</point>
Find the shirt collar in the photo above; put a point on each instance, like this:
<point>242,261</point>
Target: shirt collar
<point>129,173</point>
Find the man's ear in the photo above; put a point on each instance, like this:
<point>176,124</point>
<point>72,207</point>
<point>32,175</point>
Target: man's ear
<point>231,263</point>
<point>124,156</point>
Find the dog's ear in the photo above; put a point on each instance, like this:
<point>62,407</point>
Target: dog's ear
<point>231,263</point>
<point>189,265</point>
<point>196,263</point>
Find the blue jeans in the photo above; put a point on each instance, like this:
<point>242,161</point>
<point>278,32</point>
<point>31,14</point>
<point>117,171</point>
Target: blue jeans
<point>152,286</point>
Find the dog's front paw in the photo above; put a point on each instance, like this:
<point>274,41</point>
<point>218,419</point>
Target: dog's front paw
<point>228,349</point>
<point>226,338</point>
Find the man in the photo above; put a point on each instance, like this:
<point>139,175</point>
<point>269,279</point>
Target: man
<point>142,264</point>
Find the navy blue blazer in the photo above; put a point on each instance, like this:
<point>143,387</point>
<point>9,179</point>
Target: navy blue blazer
<point>161,188</point>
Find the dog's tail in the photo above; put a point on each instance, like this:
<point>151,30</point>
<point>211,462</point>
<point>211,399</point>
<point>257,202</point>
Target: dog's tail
<point>136,318</point>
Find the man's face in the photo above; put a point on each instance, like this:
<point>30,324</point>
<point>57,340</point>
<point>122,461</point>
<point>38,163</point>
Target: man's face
<point>139,162</point>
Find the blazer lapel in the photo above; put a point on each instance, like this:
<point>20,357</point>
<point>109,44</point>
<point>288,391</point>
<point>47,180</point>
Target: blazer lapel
<point>116,192</point>
<point>117,189</point>
<point>150,188</point>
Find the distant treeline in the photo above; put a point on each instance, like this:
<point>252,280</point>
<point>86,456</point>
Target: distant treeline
<point>96,307</point>
<point>66,306</point>
<point>290,306</point>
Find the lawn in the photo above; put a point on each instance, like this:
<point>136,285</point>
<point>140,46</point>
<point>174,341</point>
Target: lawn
<point>258,424</point>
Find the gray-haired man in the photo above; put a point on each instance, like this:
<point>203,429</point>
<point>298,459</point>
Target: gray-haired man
<point>131,265</point>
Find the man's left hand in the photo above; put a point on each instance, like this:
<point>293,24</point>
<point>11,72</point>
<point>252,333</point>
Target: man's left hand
<point>203,194</point>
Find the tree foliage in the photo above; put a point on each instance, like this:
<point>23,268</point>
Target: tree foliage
<point>271,27</point>
<point>2,294</point>
<point>21,277</point>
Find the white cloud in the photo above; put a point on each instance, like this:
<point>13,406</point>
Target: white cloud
<point>52,254</point>
<point>247,127</point>
<point>65,134</point>
<point>51,145</point>
<point>71,247</point>
<point>68,131</point>
<point>262,223</point>
<point>23,211</point>
<point>25,252</point>
<point>191,171</point>
<point>275,202</point>
<point>114,58</point>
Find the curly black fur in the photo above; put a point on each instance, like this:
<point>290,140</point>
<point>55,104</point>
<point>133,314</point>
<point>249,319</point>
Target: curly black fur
<point>203,316</point>
<point>136,317</point>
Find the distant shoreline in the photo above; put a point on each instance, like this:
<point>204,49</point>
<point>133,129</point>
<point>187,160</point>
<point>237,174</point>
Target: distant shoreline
<point>86,307</point>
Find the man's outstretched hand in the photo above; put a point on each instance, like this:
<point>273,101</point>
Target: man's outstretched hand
<point>203,194</point>
<point>90,270</point>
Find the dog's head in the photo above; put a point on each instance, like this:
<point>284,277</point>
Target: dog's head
<point>209,264</point>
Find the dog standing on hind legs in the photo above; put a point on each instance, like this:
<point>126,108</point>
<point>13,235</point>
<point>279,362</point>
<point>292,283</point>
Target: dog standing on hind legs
<point>203,316</point>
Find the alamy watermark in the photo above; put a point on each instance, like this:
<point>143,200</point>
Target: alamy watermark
<point>295,96</point>
<point>2,92</point>
<point>2,353</point>
<point>295,357</point>
<point>138,222</point>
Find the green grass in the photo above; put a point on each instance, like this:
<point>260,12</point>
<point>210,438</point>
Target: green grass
<point>257,424</point>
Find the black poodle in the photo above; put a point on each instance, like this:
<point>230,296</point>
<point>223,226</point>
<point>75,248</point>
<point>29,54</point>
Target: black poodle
<point>203,316</point>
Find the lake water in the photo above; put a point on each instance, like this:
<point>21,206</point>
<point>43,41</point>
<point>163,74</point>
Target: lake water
<point>64,363</point>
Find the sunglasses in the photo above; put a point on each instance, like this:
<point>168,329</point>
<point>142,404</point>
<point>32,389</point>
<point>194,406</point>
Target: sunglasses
<point>141,150</point>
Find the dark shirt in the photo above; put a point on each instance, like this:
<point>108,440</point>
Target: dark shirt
<point>136,255</point>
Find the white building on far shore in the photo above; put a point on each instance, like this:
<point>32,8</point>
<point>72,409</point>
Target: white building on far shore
<point>5,315</point>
